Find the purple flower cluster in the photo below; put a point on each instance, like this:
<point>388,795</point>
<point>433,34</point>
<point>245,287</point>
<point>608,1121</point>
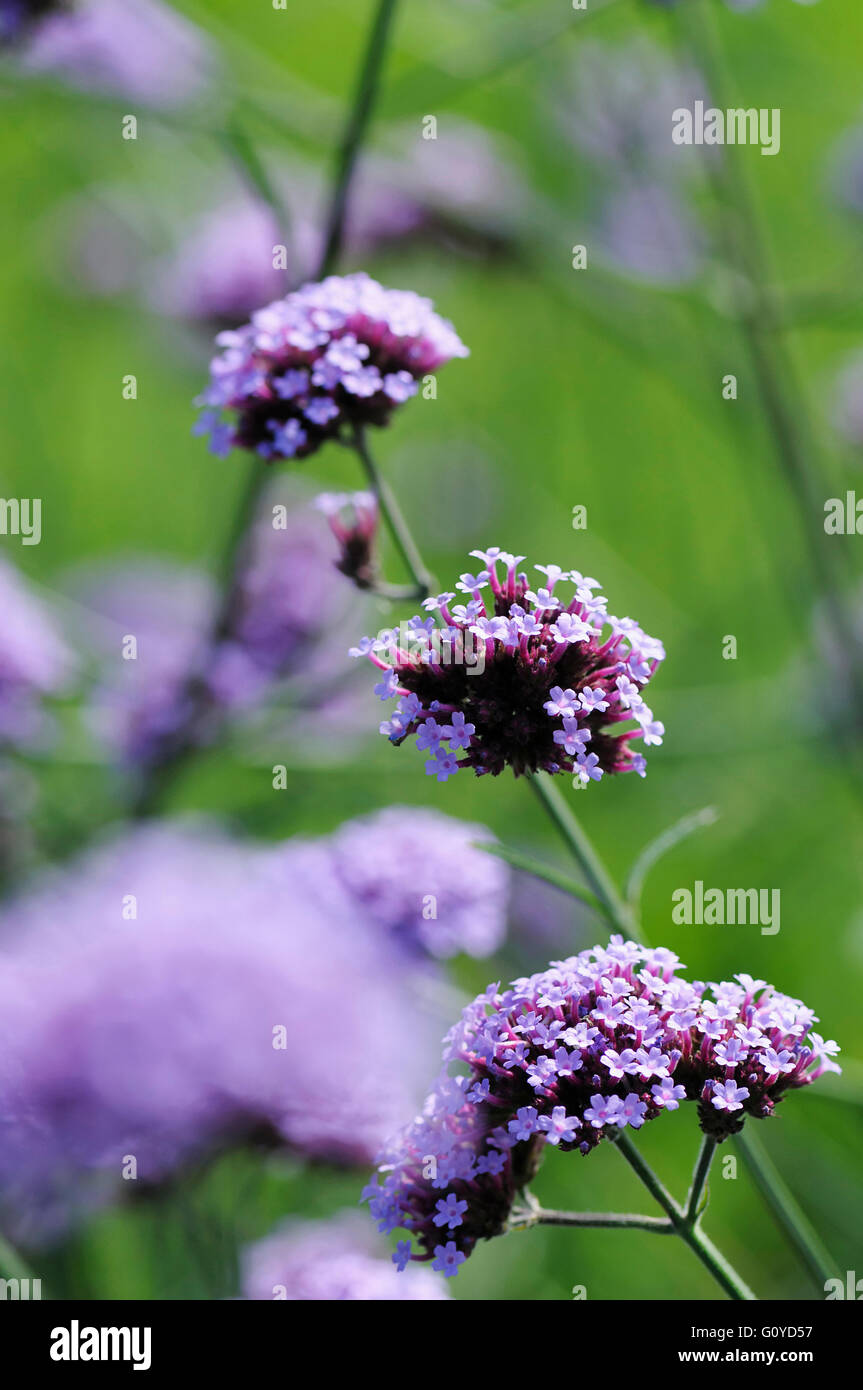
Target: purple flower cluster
<point>34,662</point>
<point>419,876</point>
<point>606,1039</point>
<point>342,352</point>
<point>330,1261</point>
<point>169,995</point>
<point>525,678</point>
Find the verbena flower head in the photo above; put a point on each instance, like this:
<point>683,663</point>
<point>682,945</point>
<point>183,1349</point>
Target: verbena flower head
<point>418,874</point>
<point>502,673</point>
<point>606,1039</point>
<point>334,354</point>
<point>330,1261</point>
<point>143,994</point>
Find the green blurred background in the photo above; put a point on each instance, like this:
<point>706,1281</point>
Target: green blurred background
<point>582,387</point>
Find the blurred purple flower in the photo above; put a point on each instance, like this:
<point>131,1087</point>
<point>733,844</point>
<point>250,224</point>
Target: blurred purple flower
<point>222,267</point>
<point>330,1261</point>
<point>171,993</point>
<point>139,49</point>
<point>846,171</point>
<point>34,661</point>
<point>617,112</point>
<point>648,231</point>
<point>418,875</point>
<point>289,595</point>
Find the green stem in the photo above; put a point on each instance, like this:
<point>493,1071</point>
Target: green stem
<point>699,1177</point>
<point>398,527</point>
<point>162,773</point>
<point>779,1198</point>
<point>782,393</point>
<point>701,1245</point>
<point>354,134</point>
<point>594,870</point>
<point>604,1220</point>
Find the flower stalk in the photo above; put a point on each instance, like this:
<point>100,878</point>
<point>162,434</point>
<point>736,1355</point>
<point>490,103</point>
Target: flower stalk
<point>161,774</point>
<point>599,879</point>
<point>421,579</point>
<point>686,1224</point>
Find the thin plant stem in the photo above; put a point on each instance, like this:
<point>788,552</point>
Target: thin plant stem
<point>699,1177</point>
<point>782,393</point>
<point>790,1217</point>
<point>394,518</point>
<point>598,877</point>
<point>604,1220</point>
<point>354,134</point>
<point>778,1196</point>
<point>689,1231</point>
<point>162,773</point>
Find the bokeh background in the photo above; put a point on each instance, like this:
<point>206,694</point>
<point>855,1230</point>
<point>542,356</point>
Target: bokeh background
<point>599,387</point>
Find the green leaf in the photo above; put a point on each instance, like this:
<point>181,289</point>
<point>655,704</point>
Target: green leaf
<point>527,865</point>
<point>660,846</point>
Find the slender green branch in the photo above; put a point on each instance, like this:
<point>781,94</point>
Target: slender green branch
<point>545,872</point>
<point>604,1220</point>
<point>161,774</point>
<point>661,845</point>
<point>782,394</point>
<point>598,877</point>
<point>784,1206</point>
<point>392,514</point>
<point>354,134</point>
<point>699,1178</point>
<point>712,1259</point>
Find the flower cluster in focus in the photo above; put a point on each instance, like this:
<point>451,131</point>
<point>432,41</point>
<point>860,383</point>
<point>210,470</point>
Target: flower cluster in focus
<point>606,1039</point>
<point>529,678</point>
<point>342,352</point>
